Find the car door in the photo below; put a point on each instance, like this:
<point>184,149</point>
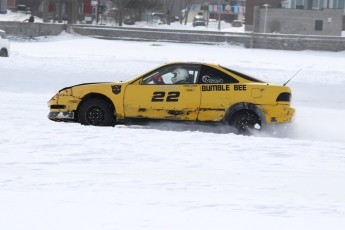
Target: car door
<point>216,95</point>
<point>156,96</point>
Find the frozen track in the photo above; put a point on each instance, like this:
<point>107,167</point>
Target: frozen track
<point>67,176</point>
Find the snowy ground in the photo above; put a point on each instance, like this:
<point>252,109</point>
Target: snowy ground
<point>67,176</point>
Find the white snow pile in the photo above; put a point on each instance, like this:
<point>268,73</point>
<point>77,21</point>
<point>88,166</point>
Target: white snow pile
<point>165,176</point>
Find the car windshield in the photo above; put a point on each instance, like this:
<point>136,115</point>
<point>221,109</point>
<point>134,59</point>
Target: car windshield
<point>242,75</point>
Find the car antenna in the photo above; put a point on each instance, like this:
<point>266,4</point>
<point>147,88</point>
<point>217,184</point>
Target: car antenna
<point>292,77</point>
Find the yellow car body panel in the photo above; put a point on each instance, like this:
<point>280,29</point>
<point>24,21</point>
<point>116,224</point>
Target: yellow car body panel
<point>160,101</point>
<point>212,93</point>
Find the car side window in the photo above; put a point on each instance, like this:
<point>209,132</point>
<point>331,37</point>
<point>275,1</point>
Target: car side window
<point>211,75</point>
<point>159,77</point>
<point>154,78</point>
<point>174,74</point>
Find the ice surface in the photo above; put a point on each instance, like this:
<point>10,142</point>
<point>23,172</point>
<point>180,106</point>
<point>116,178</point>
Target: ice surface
<point>167,176</point>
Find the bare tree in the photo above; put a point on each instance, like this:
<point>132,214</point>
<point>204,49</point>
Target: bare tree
<point>58,6</point>
<point>139,6</point>
<point>187,9</point>
<point>45,10</point>
<point>168,6</point>
<point>58,10</point>
<point>120,4</point>
<point>72,11</point>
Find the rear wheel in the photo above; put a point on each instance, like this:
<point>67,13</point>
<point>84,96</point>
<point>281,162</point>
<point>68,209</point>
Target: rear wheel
<point>245,122</point>
<point>96,112</point>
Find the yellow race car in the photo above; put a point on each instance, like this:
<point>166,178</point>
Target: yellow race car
<point>177,91</point>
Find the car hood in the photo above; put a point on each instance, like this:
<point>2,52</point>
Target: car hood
<point>92,83</point>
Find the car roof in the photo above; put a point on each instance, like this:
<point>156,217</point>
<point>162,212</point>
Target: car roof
<point>195,63</point>
<point>237,73</point>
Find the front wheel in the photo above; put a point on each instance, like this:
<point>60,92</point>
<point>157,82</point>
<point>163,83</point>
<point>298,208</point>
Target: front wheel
<point>245,122</point>
<point>96,112</point>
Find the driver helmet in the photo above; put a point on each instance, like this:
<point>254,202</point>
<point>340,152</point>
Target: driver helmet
<point>180,75</point>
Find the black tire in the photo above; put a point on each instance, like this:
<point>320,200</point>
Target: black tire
<point>96,112</point>
<point>3,53</point>
<point>245,122</point>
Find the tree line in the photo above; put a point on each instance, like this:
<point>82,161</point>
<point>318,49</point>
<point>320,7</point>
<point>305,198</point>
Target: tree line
<point>123,7</point>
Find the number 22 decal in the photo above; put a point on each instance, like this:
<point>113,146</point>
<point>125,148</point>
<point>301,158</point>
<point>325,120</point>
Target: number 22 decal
<point>160,96</point>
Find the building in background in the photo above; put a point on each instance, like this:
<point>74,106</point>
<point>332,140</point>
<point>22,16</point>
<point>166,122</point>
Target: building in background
<point>249,14</point>
<point>316,5</point>
<point>313,4</point>
<point>3,6</point>
<point>227,10</point>
<point>308,17</point>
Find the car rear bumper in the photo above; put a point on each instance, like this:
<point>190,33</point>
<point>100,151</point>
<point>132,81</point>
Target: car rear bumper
<point>282,115</point>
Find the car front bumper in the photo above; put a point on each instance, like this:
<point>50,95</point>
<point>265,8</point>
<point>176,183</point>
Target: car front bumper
<point>61,116</point>
<point>63,106</point>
